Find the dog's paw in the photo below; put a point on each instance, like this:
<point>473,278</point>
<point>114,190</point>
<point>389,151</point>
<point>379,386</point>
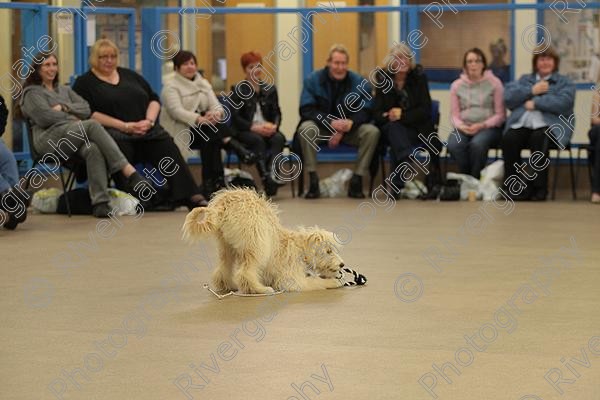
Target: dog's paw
<point>352,278</point>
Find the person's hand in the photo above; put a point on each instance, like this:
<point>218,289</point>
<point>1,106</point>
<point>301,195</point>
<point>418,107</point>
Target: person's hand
<point>335,140</point>
<point>466,129</point>
<point>347,125</point>
<point>138,128</point>
<point>57,107</point>
<point>259,129</point>
<point>338,124</point>
<point>475,128</point>
<point>540,88</point>
<point>394,114</point>
<point>212,117</point>
<point>529,105</point>
<point>270,128</point>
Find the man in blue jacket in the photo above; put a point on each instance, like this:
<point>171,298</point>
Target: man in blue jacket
<point>335,107</point>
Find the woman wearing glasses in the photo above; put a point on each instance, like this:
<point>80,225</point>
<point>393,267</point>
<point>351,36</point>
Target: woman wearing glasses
<point>477,110</point>
<point>125,104</point>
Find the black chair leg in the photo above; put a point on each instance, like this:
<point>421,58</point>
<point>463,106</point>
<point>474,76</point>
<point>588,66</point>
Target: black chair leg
<point>556,169</point>
<point>291,167</point>
<point>383,173</point>
<point>571,166</point>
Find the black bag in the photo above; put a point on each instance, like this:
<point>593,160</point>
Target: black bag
<point>450,191</point>
<point>79,201</point>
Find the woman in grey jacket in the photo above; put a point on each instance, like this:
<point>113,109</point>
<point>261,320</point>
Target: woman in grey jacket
<point>541,105</point>
<point>60,121</point>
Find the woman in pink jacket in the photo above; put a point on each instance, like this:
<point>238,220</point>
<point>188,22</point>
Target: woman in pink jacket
<point>477,111</point>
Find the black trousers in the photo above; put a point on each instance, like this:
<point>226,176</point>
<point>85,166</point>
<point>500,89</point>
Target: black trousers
<point>264,147</point>
<point>155,150</point>
<point>515,140</point>
<point>594,158</point>
<point>210,144</point>
<point>402,141</point>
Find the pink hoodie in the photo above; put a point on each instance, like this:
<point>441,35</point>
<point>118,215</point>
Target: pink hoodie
<point>477,101</point>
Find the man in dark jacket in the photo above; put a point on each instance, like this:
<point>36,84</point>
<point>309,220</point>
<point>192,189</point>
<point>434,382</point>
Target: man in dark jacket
<point>335,106</point>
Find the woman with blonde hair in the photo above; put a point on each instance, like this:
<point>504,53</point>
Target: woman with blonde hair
<point>403,113</point>
<point>57,116</point>
<point>125,104</point>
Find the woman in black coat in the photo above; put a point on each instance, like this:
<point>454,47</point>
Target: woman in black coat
<point>403,114</point>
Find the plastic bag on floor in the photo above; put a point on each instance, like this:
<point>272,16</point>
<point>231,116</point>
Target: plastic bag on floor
<point>491,179</point>
<point>493,172</point>
<point>46,200</point>
<point>413,189</point>
<point>123,203</point>
<point>335,185</point>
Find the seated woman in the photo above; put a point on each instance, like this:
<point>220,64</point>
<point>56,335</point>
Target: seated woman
<point>403,112</point>
<point>10,214</point>
<point>594,158</point>
<point>191,110</point>
<point>57,115</point>
<point>477,108</point>
<point>258,118</point>
<point>541,105</point>
<point>125,104</point>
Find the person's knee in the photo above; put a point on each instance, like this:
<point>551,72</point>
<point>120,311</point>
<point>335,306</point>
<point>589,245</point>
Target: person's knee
<point>307,131</point>
<point>91,152</point>
<point>370,134</point>
<point>91,125</point>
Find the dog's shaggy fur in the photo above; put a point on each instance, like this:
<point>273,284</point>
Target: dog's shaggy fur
<point>256,253</point>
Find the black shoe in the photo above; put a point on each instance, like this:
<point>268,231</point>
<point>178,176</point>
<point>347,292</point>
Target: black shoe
<point>525,195</point>
<point>539,195</point>
<point>245,155</point>
<point>211,186</point>
<point>101,210</point>
<point>313,188</point>
<point>432,194</point>
<point>196,200</point>
<point>132,182</point>
<point>355,189</point>
<point>20,199</point>
<point>11,222</point>
<point>270,187</point>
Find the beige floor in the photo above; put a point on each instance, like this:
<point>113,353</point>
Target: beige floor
<point>130,313</point>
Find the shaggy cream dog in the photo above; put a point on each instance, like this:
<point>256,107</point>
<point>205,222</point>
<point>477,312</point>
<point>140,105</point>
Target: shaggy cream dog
<point>256,253</point>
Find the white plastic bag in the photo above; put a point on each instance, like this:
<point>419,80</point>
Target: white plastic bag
<point>491,179</point>
<point>123,203</point>
<point>334,185</point>
<point>413,189</point>
<point>46,200</point>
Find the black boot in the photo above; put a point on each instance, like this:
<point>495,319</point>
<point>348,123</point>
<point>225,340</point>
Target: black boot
<point>269,184</point>
<point>355,189</point>
<point>212,185</point>
<point>245,155</point>
<point>313,188</point>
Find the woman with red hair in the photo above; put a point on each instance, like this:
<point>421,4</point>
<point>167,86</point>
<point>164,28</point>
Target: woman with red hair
<point>257,120</point>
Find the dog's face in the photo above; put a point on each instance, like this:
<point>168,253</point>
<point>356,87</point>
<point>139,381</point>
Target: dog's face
<point>322,254</point>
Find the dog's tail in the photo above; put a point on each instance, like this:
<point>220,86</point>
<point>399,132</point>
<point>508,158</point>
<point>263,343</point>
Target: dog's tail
<point>197,223</point>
